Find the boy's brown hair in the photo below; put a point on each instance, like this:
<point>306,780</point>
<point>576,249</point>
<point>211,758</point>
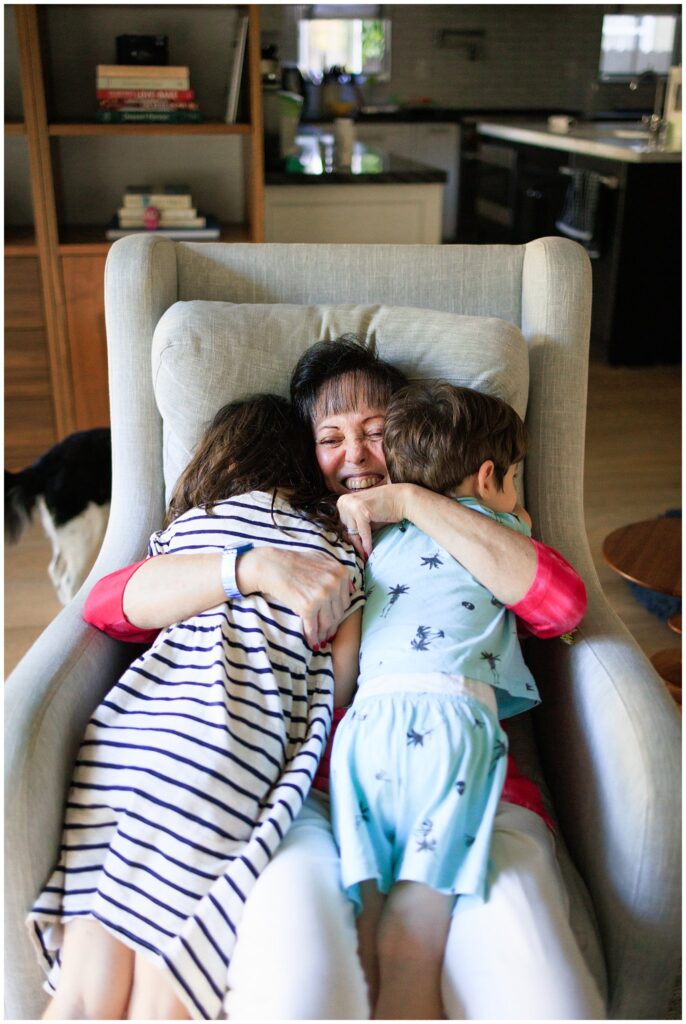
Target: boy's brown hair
<point>437,434</point>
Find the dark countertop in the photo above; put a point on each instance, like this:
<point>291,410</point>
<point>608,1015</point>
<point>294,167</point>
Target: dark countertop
<point>317,157</point>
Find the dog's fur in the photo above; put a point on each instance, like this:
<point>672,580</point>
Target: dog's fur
<point>70,486</point>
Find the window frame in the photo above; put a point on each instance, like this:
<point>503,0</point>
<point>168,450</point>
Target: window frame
<point>624,77</point>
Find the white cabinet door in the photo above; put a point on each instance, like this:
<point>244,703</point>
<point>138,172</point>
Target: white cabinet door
<point>435,144</point>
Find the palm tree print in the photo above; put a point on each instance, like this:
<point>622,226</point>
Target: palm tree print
<point>468,605</point>
<point>460,786</point>
<point>424,637</point>
<point>499,750</point>
<point>496,603</point>
<point>416,739</point>
<point>426,842</point>
<point>363,813</point>
<point>491,659</point>
<point>393,594</point>
<point>433,561</point>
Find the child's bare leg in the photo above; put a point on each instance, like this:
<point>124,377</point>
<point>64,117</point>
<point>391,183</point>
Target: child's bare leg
<point>153,997</point>
<point>95,977</point>
<point>367,936</point>
<point>412,936</point>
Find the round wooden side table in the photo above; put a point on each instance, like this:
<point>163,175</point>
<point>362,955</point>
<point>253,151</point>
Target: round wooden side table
<point>649,553</point>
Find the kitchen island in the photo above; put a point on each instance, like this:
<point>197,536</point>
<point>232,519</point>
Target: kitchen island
<point>377,197</point>
<point>609,187</point>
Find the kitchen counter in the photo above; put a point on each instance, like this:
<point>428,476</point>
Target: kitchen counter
<point>317,160</point>
<point>614,140</point>
<point>379,198</point>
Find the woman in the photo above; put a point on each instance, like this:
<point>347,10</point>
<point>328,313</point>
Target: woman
<point>295,956</point>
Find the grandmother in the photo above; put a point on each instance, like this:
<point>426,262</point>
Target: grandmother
<point>514,957</point>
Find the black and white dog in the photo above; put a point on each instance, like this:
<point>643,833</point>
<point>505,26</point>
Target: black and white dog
<point>70,485</point>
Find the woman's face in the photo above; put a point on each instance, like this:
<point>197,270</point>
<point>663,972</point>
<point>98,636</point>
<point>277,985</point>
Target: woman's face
<point>349,449</point>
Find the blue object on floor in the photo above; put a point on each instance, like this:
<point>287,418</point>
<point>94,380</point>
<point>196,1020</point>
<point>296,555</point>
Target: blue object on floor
<point>661,605</point>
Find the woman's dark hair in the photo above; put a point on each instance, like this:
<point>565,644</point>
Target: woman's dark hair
<point>335,376</point>
<point>255,444</point>
<point>437,434</point>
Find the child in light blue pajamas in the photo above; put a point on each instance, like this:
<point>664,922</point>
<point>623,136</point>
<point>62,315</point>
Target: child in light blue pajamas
<point>419,762</point>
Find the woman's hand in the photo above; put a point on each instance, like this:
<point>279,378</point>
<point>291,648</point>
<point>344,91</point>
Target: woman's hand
<point>365,511</point>
<point>312,584</point>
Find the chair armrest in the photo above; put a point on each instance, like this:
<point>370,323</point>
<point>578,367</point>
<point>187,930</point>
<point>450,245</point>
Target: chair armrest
<point>48,700</point>
<point>609,736</point>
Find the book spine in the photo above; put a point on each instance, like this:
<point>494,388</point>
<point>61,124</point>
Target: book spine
<point>146,94</point>
<point>180,213</point>
<point>133,204</point>
<point>170,222</point>
<point>147,105</point>
<point>148,116</point>
<point>142,71</point>
<point>112,82</point>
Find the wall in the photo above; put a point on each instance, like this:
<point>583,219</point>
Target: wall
<point>533,55</point>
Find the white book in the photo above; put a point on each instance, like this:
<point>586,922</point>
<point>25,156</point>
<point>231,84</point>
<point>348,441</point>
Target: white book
<point>236,73</point>
<point>164,222</point>
<point>209,232</point>
<point>137,212</point>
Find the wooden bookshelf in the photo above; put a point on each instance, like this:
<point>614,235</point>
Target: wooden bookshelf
<point>85,239</point>
<point>88,128</point>
<point>54,116</point>
<point>20,241</point>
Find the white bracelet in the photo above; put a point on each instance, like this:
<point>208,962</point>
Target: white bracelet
<point>228,569</point>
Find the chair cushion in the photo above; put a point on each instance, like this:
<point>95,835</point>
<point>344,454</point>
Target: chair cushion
<point>207,353</point>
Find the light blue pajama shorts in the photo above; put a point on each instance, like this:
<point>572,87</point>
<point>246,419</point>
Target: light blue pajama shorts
<point>417,769</point>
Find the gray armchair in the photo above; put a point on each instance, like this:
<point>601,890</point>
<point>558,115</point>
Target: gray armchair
<point>606,740</point>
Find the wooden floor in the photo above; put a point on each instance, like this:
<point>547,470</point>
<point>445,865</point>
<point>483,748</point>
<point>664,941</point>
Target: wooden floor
<point>633,472</point>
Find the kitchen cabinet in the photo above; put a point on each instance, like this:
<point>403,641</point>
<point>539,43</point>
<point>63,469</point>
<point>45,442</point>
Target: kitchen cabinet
<point>65,173</point>
<point>434,143</point>
<point>519,194</point>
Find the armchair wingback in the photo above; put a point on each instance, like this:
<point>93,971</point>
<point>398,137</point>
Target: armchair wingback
<point>606,738</point>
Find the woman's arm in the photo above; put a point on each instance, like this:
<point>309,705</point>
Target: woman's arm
<point>136,602</point>
<point>527,576</point>
<point>502,560</point>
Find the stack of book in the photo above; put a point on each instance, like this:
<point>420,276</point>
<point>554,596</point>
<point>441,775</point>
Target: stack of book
<point>163,210</point>
<point>145,93</point>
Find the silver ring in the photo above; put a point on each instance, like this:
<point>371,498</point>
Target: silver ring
<point>353,533</point>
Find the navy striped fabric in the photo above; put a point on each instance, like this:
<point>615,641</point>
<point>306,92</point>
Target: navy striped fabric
<point>194,766</point>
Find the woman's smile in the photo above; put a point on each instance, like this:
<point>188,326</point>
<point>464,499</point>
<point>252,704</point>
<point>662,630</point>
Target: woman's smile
<point>349,449</point>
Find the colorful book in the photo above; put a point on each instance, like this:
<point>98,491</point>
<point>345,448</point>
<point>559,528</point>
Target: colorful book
<point>236,73</point>
<point>162,82</point>
<point>141,71</point>
<point>164,197</point>
<point>178,95</point>
<point>163,105</point>
<point>209,232</point>
<point>148,116</point>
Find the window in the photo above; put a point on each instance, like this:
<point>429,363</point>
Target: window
<point>632,44</point>
<point>360,45</point>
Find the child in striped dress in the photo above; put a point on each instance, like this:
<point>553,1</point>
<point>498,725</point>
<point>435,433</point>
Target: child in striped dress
<point>418,764</point>
<point>196,763</point>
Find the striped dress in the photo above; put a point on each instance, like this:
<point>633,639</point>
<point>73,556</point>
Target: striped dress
<point>194,766</point>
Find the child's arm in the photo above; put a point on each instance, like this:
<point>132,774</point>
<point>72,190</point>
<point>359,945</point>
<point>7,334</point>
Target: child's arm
<point>345,651</point>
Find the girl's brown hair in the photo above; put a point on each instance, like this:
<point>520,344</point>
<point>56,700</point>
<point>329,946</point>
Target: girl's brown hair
<point>437,434</point>
<point>255,444</point>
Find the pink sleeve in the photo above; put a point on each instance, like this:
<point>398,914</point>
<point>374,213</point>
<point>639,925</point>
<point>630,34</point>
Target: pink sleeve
<point>104,607</point>
<point>556,600</point>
